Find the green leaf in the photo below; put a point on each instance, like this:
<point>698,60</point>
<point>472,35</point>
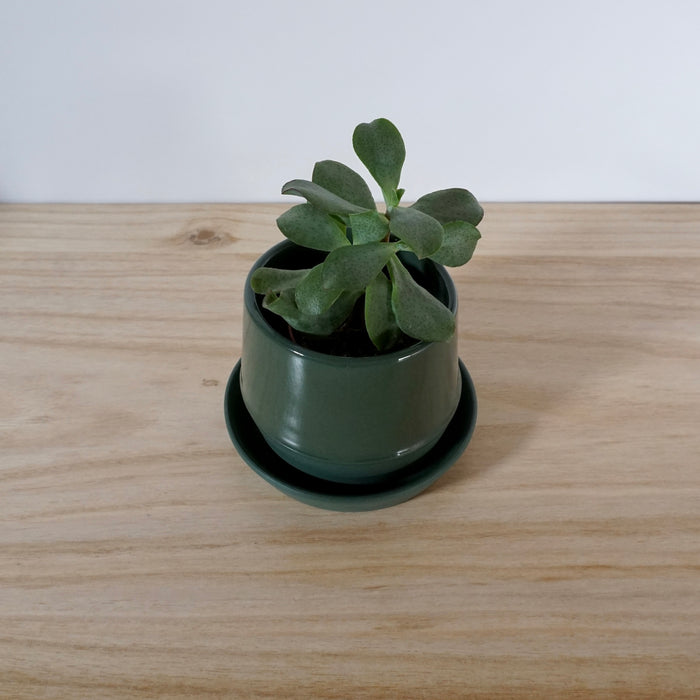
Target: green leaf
<point>418,313</point>
<point>458,244</point>
<point>380,320</point>
<point>368,227</point>
<point>455,204</point>
<point>270,279</point>
<point>420,232</point>
<point>321,198</point>
<point>344,182</point>
<point>380,147</point>
<point>322,324</point>
<point>354,267</point>
<point>311,296</point>
<point>311,228</point>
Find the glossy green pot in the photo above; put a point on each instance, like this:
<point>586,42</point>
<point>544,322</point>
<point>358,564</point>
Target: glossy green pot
<point>352,420</point>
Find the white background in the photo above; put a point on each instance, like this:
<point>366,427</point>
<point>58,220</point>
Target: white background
<point>209,100</point>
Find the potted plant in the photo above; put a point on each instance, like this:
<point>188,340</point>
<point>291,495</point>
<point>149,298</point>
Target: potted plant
<point>349,394</point>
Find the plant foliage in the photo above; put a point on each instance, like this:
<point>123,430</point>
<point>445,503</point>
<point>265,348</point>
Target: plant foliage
<point>362,244</point>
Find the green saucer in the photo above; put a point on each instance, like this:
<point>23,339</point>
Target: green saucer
<point>400,486</point>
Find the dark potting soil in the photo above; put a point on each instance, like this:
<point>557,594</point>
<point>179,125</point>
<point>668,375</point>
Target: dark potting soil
<point>350,340</point>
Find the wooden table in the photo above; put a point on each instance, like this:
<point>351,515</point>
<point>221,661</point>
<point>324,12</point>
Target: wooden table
<point>140,557</point>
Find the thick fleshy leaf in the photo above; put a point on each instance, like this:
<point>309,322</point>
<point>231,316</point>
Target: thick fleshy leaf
<point>320,197</point>
<point>380,320</point>
<point>454,204</point>
<point>380,147</point>
<point>271,279</point>
<point>352,268</point>
<point>458,243</point>
<point>322,324</point>
<point>311,296</point>
<point>420,232</point>
<point>344,182</point>
<point>368,227</point>
<point>418,313</point>
<point>311,228</point>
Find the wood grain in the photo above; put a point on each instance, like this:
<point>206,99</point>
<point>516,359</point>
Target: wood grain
<point>140,557</point>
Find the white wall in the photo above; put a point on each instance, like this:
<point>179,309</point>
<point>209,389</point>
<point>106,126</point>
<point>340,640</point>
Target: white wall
<point>209,100</point>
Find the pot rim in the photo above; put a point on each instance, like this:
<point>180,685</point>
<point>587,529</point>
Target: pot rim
<point>254,312</point>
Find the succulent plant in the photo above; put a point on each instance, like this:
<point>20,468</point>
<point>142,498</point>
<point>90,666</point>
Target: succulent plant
<point>364,247</point>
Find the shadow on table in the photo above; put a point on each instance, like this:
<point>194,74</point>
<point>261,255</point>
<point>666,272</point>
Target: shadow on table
<point>540,330</point>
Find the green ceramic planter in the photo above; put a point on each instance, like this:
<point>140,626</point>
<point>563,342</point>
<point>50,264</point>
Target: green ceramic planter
<point>347,420</point>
